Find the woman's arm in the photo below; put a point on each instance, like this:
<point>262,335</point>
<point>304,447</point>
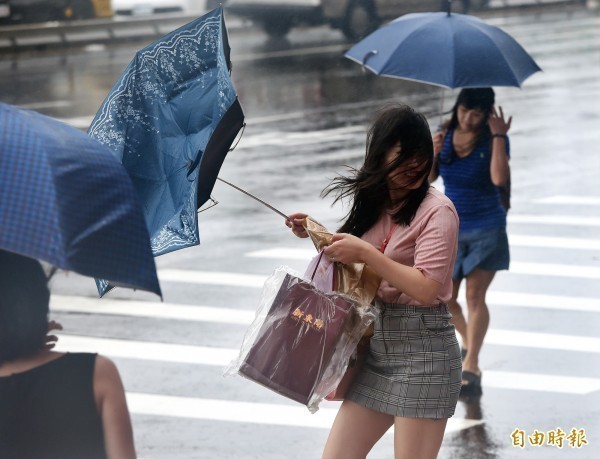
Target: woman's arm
<point>346,248</point>
<point>438,143</point>
<point>112,407</point>
<point>499,167</point>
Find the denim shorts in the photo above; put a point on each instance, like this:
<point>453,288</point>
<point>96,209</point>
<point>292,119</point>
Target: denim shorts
<point>485,249</point>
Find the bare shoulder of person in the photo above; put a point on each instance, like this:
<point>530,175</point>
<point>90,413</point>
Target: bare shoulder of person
<point>105,366</point>
<point>106,378</point>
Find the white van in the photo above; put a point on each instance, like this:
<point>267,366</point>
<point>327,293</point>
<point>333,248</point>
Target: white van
<point>355,18</point>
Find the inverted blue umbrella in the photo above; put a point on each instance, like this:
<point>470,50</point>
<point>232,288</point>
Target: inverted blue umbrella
<point>171,119</point>
<point>66,199</point>
<point>445,49</point>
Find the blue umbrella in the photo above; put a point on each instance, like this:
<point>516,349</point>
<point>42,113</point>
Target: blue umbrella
<point>65,199</point>
<point>171,119</point>
<point>444,49</point>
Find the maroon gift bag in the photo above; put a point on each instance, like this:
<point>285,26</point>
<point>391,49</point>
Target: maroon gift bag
<point>297,340</point>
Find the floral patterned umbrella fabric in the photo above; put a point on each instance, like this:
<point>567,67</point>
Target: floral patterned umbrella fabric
<point>171,119</point>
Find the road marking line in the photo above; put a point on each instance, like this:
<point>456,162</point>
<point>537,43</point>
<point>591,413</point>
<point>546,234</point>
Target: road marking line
<point>148,350</point>
<point>299,138</point>
<point>212,277</point>
<point>186,353</point>
<point>147,309</point>
<point>539,382</point>
<point>250,412</point>
<point>84,305</point>
<point>202,355</point>
<point>256,281</point>
<point>555,269</point>
<point>571,200</point>
<point>47,104</point>
<point>553,242</point>
<point>514,240</point>
<point>571,220</point>
<point>542,340</point>
<point>533,300</point>
<point>285,253</point>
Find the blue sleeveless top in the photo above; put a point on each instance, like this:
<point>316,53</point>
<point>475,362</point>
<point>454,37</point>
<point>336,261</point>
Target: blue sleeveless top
<point>468,184</point>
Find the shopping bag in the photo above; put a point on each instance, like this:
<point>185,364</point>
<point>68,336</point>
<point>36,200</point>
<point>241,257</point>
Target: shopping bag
<point>355,364</point>
<point>354,279</point>
<point>301,339</point>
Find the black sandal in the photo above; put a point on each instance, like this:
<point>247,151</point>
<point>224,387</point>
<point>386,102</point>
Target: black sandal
<point>472,385</point>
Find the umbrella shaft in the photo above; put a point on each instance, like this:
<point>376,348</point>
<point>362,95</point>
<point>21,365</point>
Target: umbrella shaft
<point>255,198</point>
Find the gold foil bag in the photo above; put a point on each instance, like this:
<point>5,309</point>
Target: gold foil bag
<point>356,280</point>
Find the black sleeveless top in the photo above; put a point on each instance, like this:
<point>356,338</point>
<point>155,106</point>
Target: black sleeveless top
<point>49,412</point>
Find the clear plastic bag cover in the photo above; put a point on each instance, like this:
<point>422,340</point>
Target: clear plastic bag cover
<point>301,339</point>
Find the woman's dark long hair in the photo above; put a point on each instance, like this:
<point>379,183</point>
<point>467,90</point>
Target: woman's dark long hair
<point>24,299</point>
<point>470,98</point>
<point>368,186</point>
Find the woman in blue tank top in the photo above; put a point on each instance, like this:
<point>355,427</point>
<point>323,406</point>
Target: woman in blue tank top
<point>471,155</point>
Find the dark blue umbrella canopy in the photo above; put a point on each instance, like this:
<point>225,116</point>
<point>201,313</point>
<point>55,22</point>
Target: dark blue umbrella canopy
<point>450,50</point>
<point>171,119</point>
<point>66,199</point>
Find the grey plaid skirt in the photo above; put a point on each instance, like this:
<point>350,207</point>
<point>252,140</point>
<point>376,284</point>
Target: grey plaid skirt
<point>414,367</point>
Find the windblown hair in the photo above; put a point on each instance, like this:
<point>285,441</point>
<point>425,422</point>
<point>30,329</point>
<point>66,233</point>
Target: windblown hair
<point>24,299</point>
<point>368,186</point>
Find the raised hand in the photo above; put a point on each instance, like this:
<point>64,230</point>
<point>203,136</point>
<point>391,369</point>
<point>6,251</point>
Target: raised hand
<point>498,125</point>
<point>438,142</point>
<point>52,339</point>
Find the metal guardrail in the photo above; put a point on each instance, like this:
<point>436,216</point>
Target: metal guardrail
<point>64,34</point>
<point>118,29</point>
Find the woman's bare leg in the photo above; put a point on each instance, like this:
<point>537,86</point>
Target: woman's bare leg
<point>418,438</point>
<point>478,283</point>
<point>458,318</point>
<point>354,432</point>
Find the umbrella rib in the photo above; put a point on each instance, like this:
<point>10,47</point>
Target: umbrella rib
<point>502,51</point>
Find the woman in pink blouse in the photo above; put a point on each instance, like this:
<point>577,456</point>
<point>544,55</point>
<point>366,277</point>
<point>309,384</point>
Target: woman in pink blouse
<point>411,378</point>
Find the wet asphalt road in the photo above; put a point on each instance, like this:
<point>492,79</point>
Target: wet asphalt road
<point>307,108</point>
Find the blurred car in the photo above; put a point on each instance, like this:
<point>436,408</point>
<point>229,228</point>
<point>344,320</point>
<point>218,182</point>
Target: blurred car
<point>4,9</point>
<point>25,11</point>
<point>355,18</point>
<point>145,7</point>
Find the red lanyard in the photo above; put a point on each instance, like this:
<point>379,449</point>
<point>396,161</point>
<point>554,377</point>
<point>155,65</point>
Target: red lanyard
<point>387,238</point>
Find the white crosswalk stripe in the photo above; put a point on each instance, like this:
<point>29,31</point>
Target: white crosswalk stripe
<point>221,356</point>
<point>241,316</point>
<point>571,200</point>
<point>202,355</point>
<point>155,310</point>
<point>246,412</point>
<point>257,281</point>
